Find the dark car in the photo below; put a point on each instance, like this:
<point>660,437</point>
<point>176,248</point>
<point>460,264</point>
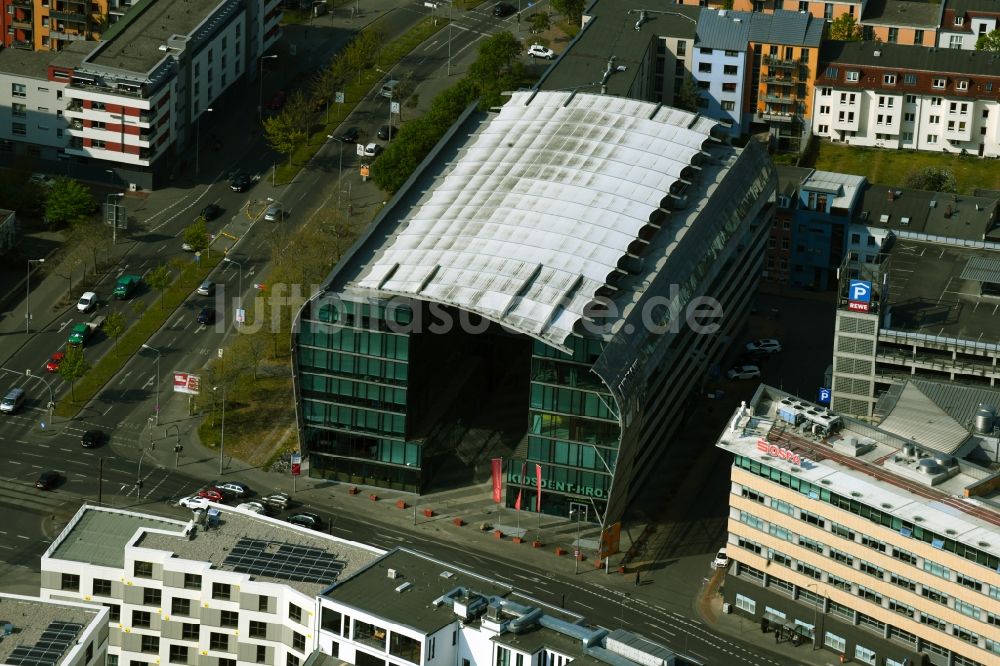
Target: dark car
<point>47,480</point>
<point>206,316</point>
<point>350,136</point>
<point>210,212</point>
<point>241,182</point>
<point>503,9</point>
<point>92,439</point>
<point>387,132</point>
<point>306,519</point>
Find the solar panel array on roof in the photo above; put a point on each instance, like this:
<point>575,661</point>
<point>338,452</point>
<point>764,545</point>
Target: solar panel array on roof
<point>283,560</point>
<point>49,648</point>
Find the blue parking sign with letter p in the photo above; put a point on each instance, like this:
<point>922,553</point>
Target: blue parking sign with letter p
<point>860,291</point>
<point>824,396</point>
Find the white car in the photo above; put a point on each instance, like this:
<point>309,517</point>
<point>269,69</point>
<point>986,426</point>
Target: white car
<point>233,488</point>
<point>87,302</point>
<point>372,149</point>
<point>274,213</point>
<point>206,288</point>
<point>539,51</point>
<point>765,345</point>
<point>721,560</point>
<point>194,503</point>
<point>251,506</point>
<point>743,372</point>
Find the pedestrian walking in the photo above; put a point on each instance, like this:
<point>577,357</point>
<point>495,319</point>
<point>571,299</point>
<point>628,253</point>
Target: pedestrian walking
<point>637,578</point>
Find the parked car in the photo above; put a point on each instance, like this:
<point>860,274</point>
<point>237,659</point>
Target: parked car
<point>306,519</point>
<point>766,345</point>
<point>350,135</point>
<point>210,212</point>
<point>91,439</point>
<point>206,316</point>
<point>240,182</point>
<point>233,488</point>
<point>47,480</point>
<point>539,51</point>
<point>274,213</point>
<point>721,560</point>
<point>502,9</point>
<point>206,288</point>
<point>276,500</point>
<point>13,401</point>
<point>387,132</point>
<point>744,372</point>
<point>87,302</point>
<point>255,507</point>
<point>55,361</point>
<point>277,101</point>
<point>193,503</point>
<point>372,150</point>
<point>211,494</point>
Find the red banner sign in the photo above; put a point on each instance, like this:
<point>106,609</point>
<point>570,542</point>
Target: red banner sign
<point>857,306</point>
<point>497,468</point>
<point>778,452</point>
<point>186,383</point>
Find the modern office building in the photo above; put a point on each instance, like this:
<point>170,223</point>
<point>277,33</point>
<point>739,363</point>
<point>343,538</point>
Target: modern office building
<point>131,103</point>
<point>236,587</point>
<point>963,22</point>
<point>410,608</point>
<point>533,294</point>
<point>59,633</point>
<point>912,304</point>
<point>909,97</point>
<point>871,544</point>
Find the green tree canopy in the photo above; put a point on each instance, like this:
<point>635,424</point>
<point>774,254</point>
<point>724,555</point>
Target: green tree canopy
<point>74,366</point>
<point>571,9</point>
<point>284,132</point>
<point>934,179</point>
<point>687,97</point>
<point>114,326</point>
<point>989,42</point>
<point>159,280</point>
<point>539,22</point>
<point>845,29</point>
<point>196,235</point>
<point>68,202</point>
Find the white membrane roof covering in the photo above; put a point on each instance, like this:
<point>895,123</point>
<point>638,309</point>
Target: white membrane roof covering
<point>538,208</point>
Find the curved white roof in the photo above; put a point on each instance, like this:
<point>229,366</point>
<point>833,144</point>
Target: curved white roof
<point>538,208</point>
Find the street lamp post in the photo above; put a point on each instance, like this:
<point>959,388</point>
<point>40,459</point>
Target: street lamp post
<point>239,296</point>
<point>138,475</point>
<point>114,216</point>
<point>197,143</point>
<point>157,381</point>
<point>576,546</point>
<point>340,169</point>
<point>260,75</point>
<point>52,402</point>
<point>815,586</point>
<point>27,296</point>
<point>222,434</point>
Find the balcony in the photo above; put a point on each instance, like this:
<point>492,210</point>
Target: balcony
<point>780,80</point>
<point>68,36</point>
<point>75,106</point>
<point>781,62</point>
<point>772,117</point>
<point>21,44</point>
<point>23,24</point>
<point>780,99</point>
<point>23,3</point>
<point>76,125</point>
<point>63,15</point>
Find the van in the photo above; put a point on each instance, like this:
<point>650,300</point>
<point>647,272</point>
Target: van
<point>388,88</point>
<point>12,401</point>
<point>87,302</point>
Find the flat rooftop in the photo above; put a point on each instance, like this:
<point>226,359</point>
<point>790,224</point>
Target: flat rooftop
<point>274,550</point>
<point>963,216</point>
<point>928,294</point>
<point>902,12</point>
<point>22,62</point>
<point>875,473</point>
<point>31,618</point>
<point>99,536</point>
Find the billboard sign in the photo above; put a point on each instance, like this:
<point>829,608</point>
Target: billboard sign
<point>296,464</point>
<point>187,383</point>
<point>859,295</point>
<point>776,451</point>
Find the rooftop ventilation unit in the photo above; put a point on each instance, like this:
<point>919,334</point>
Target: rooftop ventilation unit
<point>392,573</point>
<point>403,587</point>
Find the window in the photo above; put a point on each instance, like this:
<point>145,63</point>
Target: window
<point>143,569</point>
<point>835,642</point>
<point>970,583</point>
<point>150,644</point>
<point>934,595</point>
<point>967,609</point>
<point>852,75</point>
<point>938,83</point>
<point>869,594</point>
<point>221,591</point>
<point>730,70</point>
<point>964,634</point>
<point>261,654</point>
<point>901,608</point>
<point>705,51</point>
<point>962,85</point>
<point>179,654</point>
<point>863,654</point>
<point>295,613</point>
<point>192,581</point>
<point>889,79</point>
<point>934,120</point>
<point>828,11</point>
<point>141,619</point>
<point>893,36</point>
<point>896,579</point>
<point>115,612</point>
<point>19,110</point>
<point>230,662</point>
<point>681,48</point>
<point>911,99</point>
<point>728,106</point>
<point>705,67</point>
<point>218,641</point>
<point>918,37</point>
<point>292,660</point>
<point>180,606</point>
<point>932,621</point>
<point>937,569</point>
<point>258,629</point>
<point>746,603</point>
<point>189,631</point>
<point>298,641</point>
<point>728,87</point>
<point>70,582</point>
<point>826,92</point>
<point>932,138</point>
<point>831,72</point>
<point>935,101</point>
<point>229,619</point>
<point>812,519</point>
<point>18,90</point>
<point>909,117</point>
<point>329,620</point>
<point>150,596</point>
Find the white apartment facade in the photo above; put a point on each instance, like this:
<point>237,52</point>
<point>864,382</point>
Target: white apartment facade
<point>168,603</point>
<point>722,74</point>
<point>875,97</point>
<point>963,22</point>
<point>857,541</point>
<point>59,632</point>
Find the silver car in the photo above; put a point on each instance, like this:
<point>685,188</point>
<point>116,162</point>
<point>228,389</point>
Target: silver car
<point>206,288</point>
<point>274,213</point>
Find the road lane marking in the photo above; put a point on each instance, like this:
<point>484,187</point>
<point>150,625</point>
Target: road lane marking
<point>110,407</point>
<point>21,536</point>
<point>580,603</point>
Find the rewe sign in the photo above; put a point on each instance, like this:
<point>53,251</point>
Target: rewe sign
<point>778,452</point>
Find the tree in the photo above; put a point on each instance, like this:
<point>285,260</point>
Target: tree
<point>687,97</point>
<point>989,42</point>
<point>285,132</point>
<point>73,366</point>
<point>497,68</point>
<point>934,179</point>
<point>196,235</point>
<point>68,202</point>
<point>539,22</point>
<point>114,326</point>
<point>571,9</point>
<point>845,29</point>
<point>91,235</point>
<point>251,350</point>
<point>159,280</point>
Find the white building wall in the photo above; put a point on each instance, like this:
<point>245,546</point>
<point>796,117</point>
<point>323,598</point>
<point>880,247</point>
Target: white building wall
<point>43,103</point>
<point>717,96</point>
<point>964,40</point>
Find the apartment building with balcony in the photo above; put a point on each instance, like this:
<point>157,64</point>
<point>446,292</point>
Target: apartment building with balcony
<point>130,103</point>
<point>57,633</point>
<point>232,587</point>
<point>408,608</point>
<point>901,21</point>
<point>869,542</point>
<point>965,21</point>
<point>50,25</point>
<point>909,97</point>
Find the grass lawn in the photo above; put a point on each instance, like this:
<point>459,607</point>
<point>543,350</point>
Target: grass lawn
<point>891,167</point>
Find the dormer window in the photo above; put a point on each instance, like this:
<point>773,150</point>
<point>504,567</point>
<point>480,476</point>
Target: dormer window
<point>962,85</point>
<point>959,20</point>
<point>853,75</point>
<point>889,79</point>
<point>939,83</point>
